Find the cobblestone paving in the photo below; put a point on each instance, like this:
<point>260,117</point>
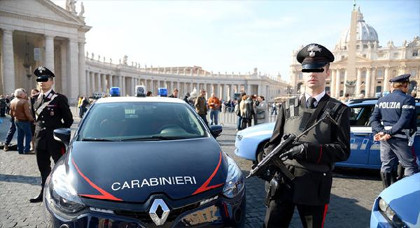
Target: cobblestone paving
<point>353,191</point>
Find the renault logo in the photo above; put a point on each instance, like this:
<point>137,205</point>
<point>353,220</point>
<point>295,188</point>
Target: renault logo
<point>159,212</point>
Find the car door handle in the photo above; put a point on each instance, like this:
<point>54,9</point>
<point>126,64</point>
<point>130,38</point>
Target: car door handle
<point>361,134</point>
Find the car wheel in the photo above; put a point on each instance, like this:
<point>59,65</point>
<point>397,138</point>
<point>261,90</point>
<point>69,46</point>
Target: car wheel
<point>260,152</point>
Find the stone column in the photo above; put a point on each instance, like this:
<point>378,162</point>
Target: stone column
<point>65,81</point>
<point>386,80</point>
<point>82,69</point>
<point>373,81</point>
<point>8,62</point>
<point>123,87</point>
<point>332,83</point>
<point>337,83</point>
<point>225,94</point>
<point>98,82</point>
<point>368,84</point>
<point>88,83</point>
<point>74,69</point>
<point>49,53</point>
<point>358,81</point>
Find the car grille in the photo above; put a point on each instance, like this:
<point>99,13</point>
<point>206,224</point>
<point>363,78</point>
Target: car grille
<point>144,216</point>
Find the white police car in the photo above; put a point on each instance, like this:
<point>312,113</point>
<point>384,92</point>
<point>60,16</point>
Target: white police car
<point>249,143</point>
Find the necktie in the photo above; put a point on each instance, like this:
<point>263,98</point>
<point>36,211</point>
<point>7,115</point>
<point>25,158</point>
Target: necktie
<point>311,102</point>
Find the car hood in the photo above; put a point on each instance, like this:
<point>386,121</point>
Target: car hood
<point>404,198</point>
<point>132,171</point>
<point>266,127</point>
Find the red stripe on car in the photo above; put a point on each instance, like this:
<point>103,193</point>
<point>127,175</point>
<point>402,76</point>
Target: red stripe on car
<point>205,186</point>
<point>104,194</point>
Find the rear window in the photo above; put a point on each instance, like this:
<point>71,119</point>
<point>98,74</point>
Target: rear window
<point>140,121</point>
<point>360,115</point>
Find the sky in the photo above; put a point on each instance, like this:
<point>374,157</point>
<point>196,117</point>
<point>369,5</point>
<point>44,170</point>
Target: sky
<point>234,36</point>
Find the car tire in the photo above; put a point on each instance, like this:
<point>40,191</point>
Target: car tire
<point>260,152</point>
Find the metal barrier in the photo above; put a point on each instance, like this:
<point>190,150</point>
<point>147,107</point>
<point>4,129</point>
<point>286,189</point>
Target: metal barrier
<point>230,118</point>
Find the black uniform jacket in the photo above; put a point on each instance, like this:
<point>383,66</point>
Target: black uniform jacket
<point>55,115</point>
<point>326,144</point>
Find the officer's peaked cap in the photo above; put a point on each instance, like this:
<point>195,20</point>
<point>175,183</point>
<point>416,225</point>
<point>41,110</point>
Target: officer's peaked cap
<point>42,73</point>
<point>401,78</point>
<point>314,56</point>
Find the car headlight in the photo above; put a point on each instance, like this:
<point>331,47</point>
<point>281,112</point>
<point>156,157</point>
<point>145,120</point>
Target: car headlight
<point>389,214</point>
<point>61,197</point>
<point>234,180</point>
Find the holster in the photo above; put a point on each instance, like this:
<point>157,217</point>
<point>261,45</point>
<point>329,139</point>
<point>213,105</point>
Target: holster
<point>272,190</point>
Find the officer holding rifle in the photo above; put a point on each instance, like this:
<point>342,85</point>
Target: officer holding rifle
<point>324,122</point>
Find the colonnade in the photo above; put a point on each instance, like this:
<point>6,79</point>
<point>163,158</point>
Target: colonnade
<point>368,80</point>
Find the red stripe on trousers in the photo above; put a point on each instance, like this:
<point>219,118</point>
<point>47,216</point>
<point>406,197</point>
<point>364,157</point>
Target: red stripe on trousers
<point>325,215</point>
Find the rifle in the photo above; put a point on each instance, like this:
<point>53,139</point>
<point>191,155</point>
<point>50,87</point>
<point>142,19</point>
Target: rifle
<point>286,141</point>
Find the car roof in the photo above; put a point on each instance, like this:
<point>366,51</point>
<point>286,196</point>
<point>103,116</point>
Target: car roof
<point>371,101</point>
<point>139,99</point>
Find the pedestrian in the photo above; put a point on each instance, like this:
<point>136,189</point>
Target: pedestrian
<point>52,111</point>
<point>261,109</point>
<point>312,157</point>
<point>149,94</point>
<point>12,128</point>
<point>83,106</point>
<point>174,93</point>
<point>201,106</point>
<point>21,112</point>
<point>3,106</point>
<point>214,106</point>
<point>238,111</point>
<point>274,108</point>
<point>34,96</point>
<point>254,108</point>
<point>394,122</point>
<point>246,108</point>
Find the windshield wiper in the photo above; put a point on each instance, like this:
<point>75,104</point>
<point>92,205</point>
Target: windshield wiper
<point>154,138</point>
<point>97,139</point>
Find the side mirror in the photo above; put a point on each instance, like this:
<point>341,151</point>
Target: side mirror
<point>62,135</point>
<point>216,130</point>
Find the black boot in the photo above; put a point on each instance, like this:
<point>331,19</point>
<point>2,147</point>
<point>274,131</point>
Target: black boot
<point>38,198</point>
<point>394,177</point>
<point>386,179</point>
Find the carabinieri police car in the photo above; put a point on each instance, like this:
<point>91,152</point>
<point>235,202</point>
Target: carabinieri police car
<point>144,162</point>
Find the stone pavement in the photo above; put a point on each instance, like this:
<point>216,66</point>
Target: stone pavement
<point>353,191</point>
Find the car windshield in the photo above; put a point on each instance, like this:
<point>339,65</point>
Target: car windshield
<point>132,121</point>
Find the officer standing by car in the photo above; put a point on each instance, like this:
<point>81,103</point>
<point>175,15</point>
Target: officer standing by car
<point>394,124</point>
<point>51,112</point>
<point>313,155</point>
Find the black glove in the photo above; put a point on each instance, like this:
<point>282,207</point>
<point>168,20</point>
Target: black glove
<point>297,151</point>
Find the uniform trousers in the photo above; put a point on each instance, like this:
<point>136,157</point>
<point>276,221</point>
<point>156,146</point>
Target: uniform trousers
<point>43,160</point>
<point>279,214</point>
<point>394,150</point>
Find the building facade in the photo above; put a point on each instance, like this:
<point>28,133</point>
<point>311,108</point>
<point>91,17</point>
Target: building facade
<point>38,32</point>
<point>362,68</point>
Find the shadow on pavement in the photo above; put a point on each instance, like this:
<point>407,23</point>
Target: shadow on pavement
<point>20,179</point>
<point>342,212</point>
<point>352,173</point>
